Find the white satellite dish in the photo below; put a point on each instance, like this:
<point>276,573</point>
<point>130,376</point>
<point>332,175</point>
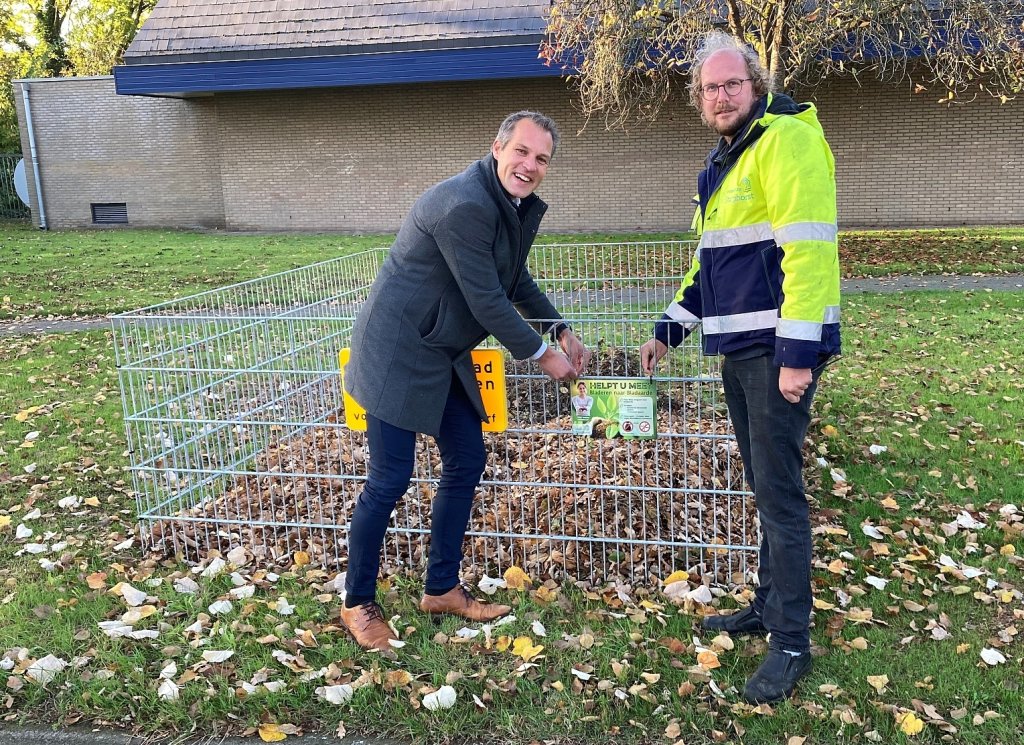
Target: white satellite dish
<point>21,182</point>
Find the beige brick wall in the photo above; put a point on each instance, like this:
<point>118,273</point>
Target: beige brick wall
<point>905,160</point>
<point>355,159</point>
<point>157,155</point>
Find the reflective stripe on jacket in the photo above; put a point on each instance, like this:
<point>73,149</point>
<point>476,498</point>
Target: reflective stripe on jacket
<point>767,265</point>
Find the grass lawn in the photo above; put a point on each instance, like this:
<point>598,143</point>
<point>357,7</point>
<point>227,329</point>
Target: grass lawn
<point>96,272</point>
<point>917,575</point>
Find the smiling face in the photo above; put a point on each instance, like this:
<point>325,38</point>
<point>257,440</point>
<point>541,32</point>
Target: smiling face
<point>523,160</point>
<point>582,388</point>
<point>724,113</point>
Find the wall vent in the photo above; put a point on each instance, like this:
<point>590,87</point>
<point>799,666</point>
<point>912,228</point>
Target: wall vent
<point>109,213</point>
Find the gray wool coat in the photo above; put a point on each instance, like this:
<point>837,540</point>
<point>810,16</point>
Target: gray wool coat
<point>455,274</point>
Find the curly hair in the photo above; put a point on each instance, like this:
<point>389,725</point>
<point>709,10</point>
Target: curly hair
<point>718,41</point>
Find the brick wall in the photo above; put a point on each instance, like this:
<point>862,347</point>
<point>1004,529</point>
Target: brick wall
<point>157,155</point>
<point>905,160</point>
<point>355,159</point>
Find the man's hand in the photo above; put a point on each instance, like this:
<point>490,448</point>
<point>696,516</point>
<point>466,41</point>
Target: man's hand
<point>793,382</point>
<point>574,349</point>
<point>556,365</point>
<point>650,353</point>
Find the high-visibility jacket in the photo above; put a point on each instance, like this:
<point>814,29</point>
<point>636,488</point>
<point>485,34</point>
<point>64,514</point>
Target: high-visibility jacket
<point>766,270</point>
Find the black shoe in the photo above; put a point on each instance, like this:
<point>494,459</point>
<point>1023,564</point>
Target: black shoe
<point>777,677</point>
<point>747,621</point>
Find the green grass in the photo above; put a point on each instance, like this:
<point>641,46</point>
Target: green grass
<point>934,377</point>
<point>873,253</point>
<point>99,272</point>
<point>95,272</point>
<point>952,363</point>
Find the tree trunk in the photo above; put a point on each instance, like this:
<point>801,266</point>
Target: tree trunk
<point>50,20</point>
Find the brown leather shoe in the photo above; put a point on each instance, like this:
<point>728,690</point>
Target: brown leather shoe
<point>458,602</point>
<point>367,626</point>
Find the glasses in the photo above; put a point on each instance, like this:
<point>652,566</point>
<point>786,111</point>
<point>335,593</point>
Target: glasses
<point>732,87</point>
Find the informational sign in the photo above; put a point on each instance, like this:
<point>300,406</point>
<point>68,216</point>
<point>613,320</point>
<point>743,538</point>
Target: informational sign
<point>614,407</point>
<point>489,365</point>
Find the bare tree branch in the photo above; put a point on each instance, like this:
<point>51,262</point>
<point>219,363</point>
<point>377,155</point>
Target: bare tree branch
<point>623,55</point>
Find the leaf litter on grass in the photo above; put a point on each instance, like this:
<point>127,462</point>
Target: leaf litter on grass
<point>613,654</point>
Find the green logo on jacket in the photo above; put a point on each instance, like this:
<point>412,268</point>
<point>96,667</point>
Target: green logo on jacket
<point>742,192</point>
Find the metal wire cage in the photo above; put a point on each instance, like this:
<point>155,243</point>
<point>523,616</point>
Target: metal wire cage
<point>233,412</point>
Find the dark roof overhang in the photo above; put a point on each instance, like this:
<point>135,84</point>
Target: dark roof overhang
<point>277,72</point>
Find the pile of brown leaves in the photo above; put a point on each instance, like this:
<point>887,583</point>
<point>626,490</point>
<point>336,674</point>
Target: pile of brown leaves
<point>560,505</point>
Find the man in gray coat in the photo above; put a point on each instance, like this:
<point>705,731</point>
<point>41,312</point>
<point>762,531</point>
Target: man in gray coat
<point>455,275</point>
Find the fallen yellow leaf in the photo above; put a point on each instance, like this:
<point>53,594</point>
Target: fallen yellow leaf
<point>398,678</point>
<point>92,501</point>
<point>545,594</point>
<point>134,615</point>
<point>503,643</point>
<point>890,504</point>
<point>272,733</point>
<point>909,723</point>
<point>96,580</point>
<point>708,660</point>
<point>516,578</point>
<point>838,566</point>
<point>829,431</point>
<point>820,604</point>
<point>723,642</point>
<point>878,682</point>
<point>523,647</point>
<point>24,414</point>
<point>5,521</point>
<point>677,576</point>
<point>1008,550</point>
<point>301,558</point>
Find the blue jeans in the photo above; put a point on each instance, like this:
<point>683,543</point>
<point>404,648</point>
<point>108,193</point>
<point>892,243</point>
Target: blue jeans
<point>392,458</point>
<point>770,432</point>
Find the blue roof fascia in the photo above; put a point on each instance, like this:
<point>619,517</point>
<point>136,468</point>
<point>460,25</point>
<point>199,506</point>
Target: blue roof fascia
<point>426,66</point>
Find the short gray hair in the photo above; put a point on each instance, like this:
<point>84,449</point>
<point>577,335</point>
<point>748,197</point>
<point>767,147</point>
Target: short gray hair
<point>544,122</point>
<point>719,41</point>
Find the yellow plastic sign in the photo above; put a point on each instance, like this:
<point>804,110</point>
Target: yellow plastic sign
<point>489,365</point>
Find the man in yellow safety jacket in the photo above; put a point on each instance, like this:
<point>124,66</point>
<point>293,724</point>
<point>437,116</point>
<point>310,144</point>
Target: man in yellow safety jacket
<point>764,286</point>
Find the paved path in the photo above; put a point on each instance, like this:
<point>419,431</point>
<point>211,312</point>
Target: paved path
<point>997,283</point>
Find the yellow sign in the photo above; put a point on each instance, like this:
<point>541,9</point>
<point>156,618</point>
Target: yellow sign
<point>489,365</point>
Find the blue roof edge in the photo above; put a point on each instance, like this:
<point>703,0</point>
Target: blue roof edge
<point>293,73</point>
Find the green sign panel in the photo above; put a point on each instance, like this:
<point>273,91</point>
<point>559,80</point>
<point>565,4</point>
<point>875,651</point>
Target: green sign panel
<point>614,407</point>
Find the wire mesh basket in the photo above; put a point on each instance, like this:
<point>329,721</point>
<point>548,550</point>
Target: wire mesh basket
<point>237,438</point>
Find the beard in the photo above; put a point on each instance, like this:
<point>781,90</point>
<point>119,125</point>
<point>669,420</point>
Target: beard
<point>731,128</point>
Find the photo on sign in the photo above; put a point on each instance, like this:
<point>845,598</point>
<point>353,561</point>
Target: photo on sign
<point>614,407</point>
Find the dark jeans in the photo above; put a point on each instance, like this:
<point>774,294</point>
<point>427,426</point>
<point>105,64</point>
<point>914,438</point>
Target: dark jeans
<point>770,432</point>
<point>392,457</point>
